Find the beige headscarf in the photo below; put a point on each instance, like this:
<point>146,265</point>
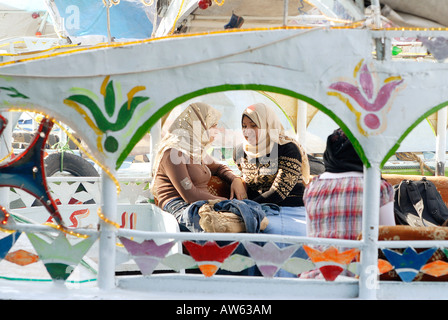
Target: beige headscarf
<point>271,132</point>
<point>189,133</point>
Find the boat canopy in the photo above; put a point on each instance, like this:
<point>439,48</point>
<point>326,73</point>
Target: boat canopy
<point>131,19</point>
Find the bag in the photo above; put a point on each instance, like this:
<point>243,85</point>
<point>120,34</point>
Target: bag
<point>419,204</point>
<point>223,221</point>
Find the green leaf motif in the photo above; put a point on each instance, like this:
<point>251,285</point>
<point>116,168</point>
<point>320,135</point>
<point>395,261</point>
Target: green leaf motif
<point>109,99</point>
<point>101,117</point>
<point>14,93</point>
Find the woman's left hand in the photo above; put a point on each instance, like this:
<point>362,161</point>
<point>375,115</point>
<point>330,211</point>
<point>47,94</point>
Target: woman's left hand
<point>238,189</point>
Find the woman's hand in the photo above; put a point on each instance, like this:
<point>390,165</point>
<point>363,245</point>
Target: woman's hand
<point>238,189</point>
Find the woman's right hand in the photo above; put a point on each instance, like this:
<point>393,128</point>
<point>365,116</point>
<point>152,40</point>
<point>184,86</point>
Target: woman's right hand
<point>238,189</point>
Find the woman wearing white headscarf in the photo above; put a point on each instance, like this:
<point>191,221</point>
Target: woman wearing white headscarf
<point>182,168</point>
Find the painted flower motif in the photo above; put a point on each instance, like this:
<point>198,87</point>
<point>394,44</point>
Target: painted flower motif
<point>409,263</point>
<point>331,262</point>
<point>60,257</point>
<point>209,256</point>
<point>101,119</point>
<point>269,258</point>
<point>147,255</point>
<point>373,107</point>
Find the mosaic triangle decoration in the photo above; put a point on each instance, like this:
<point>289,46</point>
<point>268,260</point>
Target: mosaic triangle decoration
<point>64,190</point>
<point>147,254</point>
<point>436,268</point>
<point>408,264</point>
<point>298,265</point>
<point>210,255</point>
<point>27,171</point>
<point>438,46</point>
<point>22,257</point>
<point>179,261</point>
<point>269,258</point>
<point>354,267</point>
<point>60,257</point>
<point>384,266</point>
<point>7,242</point>
<point>23,198</point>
<point>331,262</point>
<point>237,263</point>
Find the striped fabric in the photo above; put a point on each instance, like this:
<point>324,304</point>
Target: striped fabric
<point>334,206</point>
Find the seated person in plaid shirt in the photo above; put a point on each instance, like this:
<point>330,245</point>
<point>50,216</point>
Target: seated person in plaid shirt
<point>334,200</point>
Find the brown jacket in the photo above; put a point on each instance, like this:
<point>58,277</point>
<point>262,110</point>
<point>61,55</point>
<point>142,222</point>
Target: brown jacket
<point>178,177</point>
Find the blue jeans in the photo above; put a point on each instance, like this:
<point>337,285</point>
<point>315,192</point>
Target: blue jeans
<point>176,207</point>
<point>289,221</point>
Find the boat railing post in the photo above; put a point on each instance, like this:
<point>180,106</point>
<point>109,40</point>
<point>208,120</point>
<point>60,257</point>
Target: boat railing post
<point>5,146</point>
<point>106,267</point>
<point>155,137</point>
<point>368,281</point>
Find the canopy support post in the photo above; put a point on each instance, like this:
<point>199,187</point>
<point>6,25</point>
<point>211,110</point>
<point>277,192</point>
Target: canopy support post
<point>285,12</point>
<point>302,110</point>
<point>107,242</point>
<point>368,281</point>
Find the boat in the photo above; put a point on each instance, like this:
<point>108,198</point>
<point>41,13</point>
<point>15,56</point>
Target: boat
<point>112,95</point>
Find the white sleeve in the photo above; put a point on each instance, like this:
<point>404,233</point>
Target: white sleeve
<point>387,217</point>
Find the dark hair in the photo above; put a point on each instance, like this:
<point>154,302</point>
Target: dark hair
<point>340,155</point>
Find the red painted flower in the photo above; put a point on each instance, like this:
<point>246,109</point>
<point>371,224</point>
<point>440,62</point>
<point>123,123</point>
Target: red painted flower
<point>209,256</point>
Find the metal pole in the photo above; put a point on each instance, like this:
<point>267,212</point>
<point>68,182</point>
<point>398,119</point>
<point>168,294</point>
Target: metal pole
<point>376,13</point>
<point>441,141</point>
<point>368,281</point>
<point>155,135</point>
<point>285,11</point>
<point>5,146</point>
<point>360,4</point>
<point>109,37</point>
<point>106,268</point>
<point>302,108</point>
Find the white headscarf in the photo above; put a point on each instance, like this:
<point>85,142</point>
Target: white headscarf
<point>270,131</point>
<point>189,133</point>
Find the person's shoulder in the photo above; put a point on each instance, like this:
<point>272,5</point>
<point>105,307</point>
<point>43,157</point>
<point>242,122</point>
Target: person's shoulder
<point>238,151</point>
<point>289,149</point>
<point>174,154</point>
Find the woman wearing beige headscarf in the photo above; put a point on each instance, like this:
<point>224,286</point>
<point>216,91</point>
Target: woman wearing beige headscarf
<point>274,167</point>
<point>182,168</point>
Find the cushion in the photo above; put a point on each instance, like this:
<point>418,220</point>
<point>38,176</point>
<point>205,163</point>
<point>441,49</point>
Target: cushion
<point>218,187</point>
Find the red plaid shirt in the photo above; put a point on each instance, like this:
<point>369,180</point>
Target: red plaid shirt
<point>334,206</point>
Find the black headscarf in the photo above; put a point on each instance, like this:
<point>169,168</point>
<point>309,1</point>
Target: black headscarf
<point>340,155</point>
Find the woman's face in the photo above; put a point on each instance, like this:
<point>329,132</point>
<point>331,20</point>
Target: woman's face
<point>213,132</point>
<point>250,130</point>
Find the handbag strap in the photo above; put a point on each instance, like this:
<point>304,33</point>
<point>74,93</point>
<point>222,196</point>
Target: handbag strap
<point>416,199</point>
